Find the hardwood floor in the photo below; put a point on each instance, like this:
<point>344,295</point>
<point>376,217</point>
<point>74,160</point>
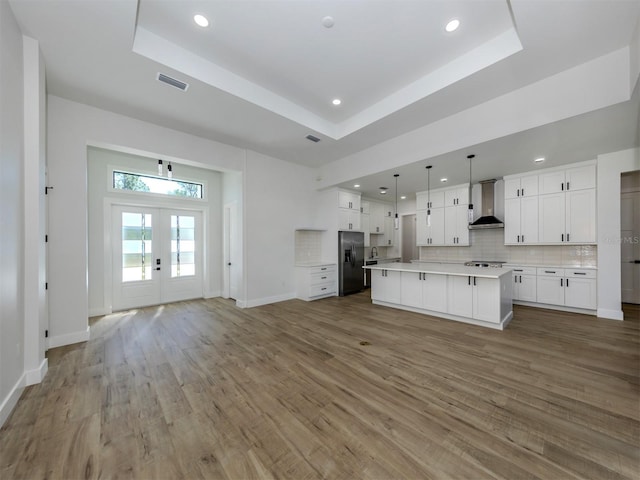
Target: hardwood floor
<point>202,389</point>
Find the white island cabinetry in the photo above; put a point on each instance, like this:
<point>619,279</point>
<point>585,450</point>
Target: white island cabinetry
<point>456,292</point>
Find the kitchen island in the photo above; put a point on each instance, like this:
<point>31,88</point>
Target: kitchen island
<point>481,296</point>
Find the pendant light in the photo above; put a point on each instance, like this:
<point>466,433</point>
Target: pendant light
<point>160,167</point>
<point>470,209</point>
<point>429,195</point>
<point>396,220</point>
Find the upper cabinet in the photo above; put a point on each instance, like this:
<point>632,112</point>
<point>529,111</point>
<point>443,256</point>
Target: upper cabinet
<point>555,206</point>
<point>448,222</point>
<point>348,211</point>
<point>518,187</point>
<point>575,178</point>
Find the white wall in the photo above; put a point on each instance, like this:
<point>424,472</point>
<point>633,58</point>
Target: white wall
<point>11,213</point>
<point>610,167</point>
<point>35,268</point>
<point>99,176</point>
<point>279,198</point>
<point>71,128</point>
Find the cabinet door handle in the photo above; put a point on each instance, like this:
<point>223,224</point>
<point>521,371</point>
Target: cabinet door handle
<point>518,192</point>
<point>522,192</point>
<point>567,185</point>
<point>515,279</point>
<point>474,281</point>
<point>562,186</point>
<point>520,278</point>
<point>567,237</point>
<point>562,236</point>
<point>522,238</point>
<point>561,283</point>
<point>518,241</point>
<point>567,282</point>
<point>468,280</point>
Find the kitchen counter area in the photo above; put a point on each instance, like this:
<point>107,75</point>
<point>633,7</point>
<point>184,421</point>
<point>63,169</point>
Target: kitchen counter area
<point>480,296</point>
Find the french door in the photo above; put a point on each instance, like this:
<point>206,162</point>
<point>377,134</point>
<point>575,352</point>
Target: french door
<point>157,256</point>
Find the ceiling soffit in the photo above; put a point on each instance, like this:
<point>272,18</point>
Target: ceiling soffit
<point>252,62</point>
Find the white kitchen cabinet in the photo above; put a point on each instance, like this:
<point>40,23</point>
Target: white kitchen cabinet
<point>456,196</point>
<point>518,187</point>
<point>525,284</point>
<point>349,200</point>
<point>434,292</point>
<point>425,291</point>
<point>364,207</point>
<point>315,282</point>
<point>580,289</point>
<point>567,287</point>
<point>364,225</point>
<point>460,296</point>
<point>575,178</point>
<point>348,219</point>
<point>456,226</point>
<point>411,292</point>
<point>376,218</point>
<point>388,238</point>
<point>474,297</point>
<point>425,200</point>
<point>567,217</point>
<point>521,220</point>
<point>580,216</point>
<point>430,235</point>
<point>386,286</point>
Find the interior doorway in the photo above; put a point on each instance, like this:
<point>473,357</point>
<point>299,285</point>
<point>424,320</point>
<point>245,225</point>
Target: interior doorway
<point>630,236</point>
<point>409,247</point>
<point>157,256</point>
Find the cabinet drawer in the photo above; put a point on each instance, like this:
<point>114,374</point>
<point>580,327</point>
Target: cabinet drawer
<point>524,270</point>
<point>322,269</point>
<point>579,273</point>
<point>325,277</point>
<point>322,289</point>
<point>550,272</point>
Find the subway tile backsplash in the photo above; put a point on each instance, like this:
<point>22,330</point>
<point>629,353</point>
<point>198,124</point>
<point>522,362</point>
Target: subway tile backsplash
<point>308,246</point>
<point>489,245</point>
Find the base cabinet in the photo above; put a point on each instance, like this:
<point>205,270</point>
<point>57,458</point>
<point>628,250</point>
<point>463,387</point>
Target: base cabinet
<point>525,284</point>
<point>386,286</point>
<point>474,297</point>
<point>423,290</point>
<point>315,282</point>
<point>575,288</point>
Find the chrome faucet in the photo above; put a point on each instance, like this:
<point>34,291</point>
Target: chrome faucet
<point>374,249</point>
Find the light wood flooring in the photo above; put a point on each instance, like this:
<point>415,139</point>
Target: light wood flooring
<point>202,389</point>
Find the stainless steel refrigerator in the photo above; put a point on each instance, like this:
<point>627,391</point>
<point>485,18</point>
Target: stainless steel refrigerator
<point>350,262</point>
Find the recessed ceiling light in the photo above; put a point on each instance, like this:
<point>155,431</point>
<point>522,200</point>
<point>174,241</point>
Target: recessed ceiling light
<point>383,190</point>
<point>453,25</point>
<point>539,160</point>
<point>201,20</point>
<point>443,180</point>
<point>357,185</point>
<point>336,101</point>
<point>328,21</point>
<point>403,197</point>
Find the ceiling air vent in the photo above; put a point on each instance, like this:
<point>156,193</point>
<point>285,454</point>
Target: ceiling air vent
<point>312,138</point>
<point>173,82</point>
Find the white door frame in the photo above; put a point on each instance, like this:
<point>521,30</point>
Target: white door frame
<point>109,203</point>
<point>230,257</point>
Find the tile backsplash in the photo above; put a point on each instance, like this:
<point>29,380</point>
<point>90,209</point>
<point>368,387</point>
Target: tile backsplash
<point>308,246</point>
<point>489,245</point>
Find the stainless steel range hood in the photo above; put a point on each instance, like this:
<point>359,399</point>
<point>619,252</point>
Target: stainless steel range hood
<point>487,220</point>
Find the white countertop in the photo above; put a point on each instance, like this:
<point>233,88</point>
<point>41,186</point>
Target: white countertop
<point>542,265</point>
<point>442,269</point>
<point>314,264</point>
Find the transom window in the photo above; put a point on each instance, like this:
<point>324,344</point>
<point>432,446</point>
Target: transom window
<point>136,182</point>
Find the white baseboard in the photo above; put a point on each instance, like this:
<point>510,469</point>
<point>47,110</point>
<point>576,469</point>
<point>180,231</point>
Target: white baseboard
<point>217,293</point>
<point>36,375</point>
<point>610,314</point>
<point>69,338</point>
<point>11,400</point>
<point>99,311</point>
<point>266,300</point>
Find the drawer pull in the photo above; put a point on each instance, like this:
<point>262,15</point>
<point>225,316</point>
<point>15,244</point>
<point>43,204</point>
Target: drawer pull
<point>323,277</point>
<point>323,288</point>
<point>323,268</point>
<point>549,271</point>
<point>579,273</point>
<point>518,270</point>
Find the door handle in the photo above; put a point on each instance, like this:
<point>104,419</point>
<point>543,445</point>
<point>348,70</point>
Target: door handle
<point>229,264</point>
<point>634,261</point>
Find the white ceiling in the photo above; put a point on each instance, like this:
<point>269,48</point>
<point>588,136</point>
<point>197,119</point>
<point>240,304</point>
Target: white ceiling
<point>263,74</point>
